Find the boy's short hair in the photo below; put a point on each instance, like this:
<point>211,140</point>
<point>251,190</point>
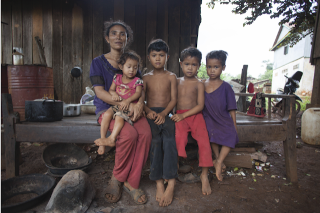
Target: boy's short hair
<point>218,54</point>
<point>158,45</point>
<point>191,51</point>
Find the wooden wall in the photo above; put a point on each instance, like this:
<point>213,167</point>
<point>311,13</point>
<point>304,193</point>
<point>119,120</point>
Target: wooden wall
<point>72,33</point>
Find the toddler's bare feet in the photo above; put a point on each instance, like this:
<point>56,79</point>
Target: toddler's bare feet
<point>218,166</point>
<point>167,197</point>
<point>206,189</point>
<point>109,141</point>
<point>101,150</point>
<point>223,167</point>
<point>160,190</point>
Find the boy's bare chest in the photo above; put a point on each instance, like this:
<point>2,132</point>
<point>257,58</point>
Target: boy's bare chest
<point>187,89</point>
<point>160,83</point>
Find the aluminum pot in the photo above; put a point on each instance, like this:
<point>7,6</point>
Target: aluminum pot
<point>43,110</point>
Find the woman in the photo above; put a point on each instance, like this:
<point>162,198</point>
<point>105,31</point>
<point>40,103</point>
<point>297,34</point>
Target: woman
<point>133,142</point>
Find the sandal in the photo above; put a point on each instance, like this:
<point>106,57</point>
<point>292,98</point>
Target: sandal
<point>114,188</point>
<point>136,194</point>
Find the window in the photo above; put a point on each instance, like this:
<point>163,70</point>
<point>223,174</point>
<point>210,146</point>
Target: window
<point>276,74</point>
<point>296,66</point>
<point>285,71</point>
<point>286,50</point>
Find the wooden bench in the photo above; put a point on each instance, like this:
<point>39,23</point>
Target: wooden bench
<point>84,129</point>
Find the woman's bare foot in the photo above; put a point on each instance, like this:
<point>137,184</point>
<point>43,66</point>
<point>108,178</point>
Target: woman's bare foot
<point>223,167</point>
<point>206,189</point>
<point>101,150</point>
<point>218,166</point>
<point>167,197</point>
<point>109,141</point>
<point>141,199</point>
<point>160,190</point>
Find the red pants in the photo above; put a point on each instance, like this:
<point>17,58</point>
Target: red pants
<point>132,149</point>
<point>197,126</point>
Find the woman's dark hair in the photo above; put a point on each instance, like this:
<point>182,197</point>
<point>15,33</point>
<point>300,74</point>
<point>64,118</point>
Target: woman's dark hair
<point>111,23</point>
<point>218,54</point>
<point>132,55</point>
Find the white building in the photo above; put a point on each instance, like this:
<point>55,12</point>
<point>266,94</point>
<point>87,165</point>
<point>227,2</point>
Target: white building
<point>288,60</point>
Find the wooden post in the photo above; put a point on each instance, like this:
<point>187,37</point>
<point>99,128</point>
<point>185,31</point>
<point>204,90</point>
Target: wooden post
<point>12,148</point>
<point>289,144</point>
<point>242,105</point>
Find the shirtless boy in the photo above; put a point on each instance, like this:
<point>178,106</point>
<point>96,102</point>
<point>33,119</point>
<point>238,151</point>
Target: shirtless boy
<point>189,116</point>
<point>161,92</point>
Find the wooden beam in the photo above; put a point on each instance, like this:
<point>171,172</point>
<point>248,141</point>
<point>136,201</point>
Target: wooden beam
<point>151,27</point>
<point>253,133</point>
<point>17,24</point>
<point>241,105</point>
<point>47,31</point>
<point>87,44</point>
<point>119,10</point>
<point>315,97</point>
<point>27,38</point>
<point>12,147</point>
<point>37,21</point>
<point>185,30</point>
<point>289,144</point>
<point>140,34</point>
<point>97,22</point>
<point>108,13</point>
<point>6,32</point>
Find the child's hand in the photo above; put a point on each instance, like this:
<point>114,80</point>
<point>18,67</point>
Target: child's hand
<point>124,105</point>
<point>160,118</point>
<point>116,97</point>
<point>152,115</point>
<point>177,117</point>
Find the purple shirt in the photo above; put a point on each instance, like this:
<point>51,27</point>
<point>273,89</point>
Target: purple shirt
<point>219,123</point>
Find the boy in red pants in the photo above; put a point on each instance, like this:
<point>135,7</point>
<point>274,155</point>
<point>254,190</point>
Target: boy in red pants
<point>189,116</point>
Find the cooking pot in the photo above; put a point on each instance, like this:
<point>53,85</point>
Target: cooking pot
<point>43,110</point>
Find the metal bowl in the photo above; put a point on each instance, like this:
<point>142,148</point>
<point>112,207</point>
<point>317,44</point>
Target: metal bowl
<point>62,171</point>
<point>39,184</point>
<point>64,156</point>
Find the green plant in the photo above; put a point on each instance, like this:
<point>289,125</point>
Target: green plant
<point>307,100</point>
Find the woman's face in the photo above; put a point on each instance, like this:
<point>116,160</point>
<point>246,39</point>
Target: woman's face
<point>117,37</point>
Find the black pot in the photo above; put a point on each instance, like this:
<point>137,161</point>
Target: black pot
<point>43,110</point>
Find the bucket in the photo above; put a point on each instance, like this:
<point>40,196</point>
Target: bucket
<point>310,126</point>
<point>27,83</point>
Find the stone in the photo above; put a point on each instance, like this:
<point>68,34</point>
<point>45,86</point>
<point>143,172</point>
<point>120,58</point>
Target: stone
<point>73,194</point>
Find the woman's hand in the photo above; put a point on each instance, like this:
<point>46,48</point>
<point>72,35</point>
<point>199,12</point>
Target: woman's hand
<point>135,111</point>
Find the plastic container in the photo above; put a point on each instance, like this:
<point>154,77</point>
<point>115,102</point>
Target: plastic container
<point>310,126</point>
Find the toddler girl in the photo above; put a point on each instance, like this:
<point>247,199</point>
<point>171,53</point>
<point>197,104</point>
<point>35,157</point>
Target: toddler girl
<point>125,88</point>
<point>219,110</point>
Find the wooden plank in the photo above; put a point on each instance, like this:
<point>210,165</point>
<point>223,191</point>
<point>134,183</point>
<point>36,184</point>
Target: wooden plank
<point>130,19</point>
<point>269,108</point>
<point>108,14</point>
<point>289,144</point>
<point>87,44</point>
<point>12,148</point>
<point>315,49</point>
<point>315,97</point>
<point>27,38</point>
<point>58,134</point>
<point>77,32</point>
<point>97,42</point>
<point>6,32</point>
<point>253,133</point>
<point>195,8</point>
<point>241,104</point>
<point>37,21</point>
<point>140,34</point>
<point>67,95</point>
<point>57,64</point>
<point>244,149</point>
<point>119,10</point>
<point>47,31</point>
<point>185,31</point>
<point>162,20</point>
<point>151,27</point>
<point>17,25</point>
<point>243,160</point>
<point>173,38</point>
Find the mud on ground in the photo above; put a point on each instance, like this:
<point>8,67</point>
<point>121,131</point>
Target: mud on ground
<point>233,194</point>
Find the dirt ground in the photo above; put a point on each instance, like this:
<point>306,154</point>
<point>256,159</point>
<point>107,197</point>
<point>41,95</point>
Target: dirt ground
<point>268,193</point>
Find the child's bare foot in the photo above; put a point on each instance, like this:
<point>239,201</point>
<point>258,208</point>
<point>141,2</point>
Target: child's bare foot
<point>109,141</point>
<point>218,166</point>
<point>206,189</point>
<point>160,190</point>
<point>167,197</point>
<point>101,150</point>
<point>223,167</point>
